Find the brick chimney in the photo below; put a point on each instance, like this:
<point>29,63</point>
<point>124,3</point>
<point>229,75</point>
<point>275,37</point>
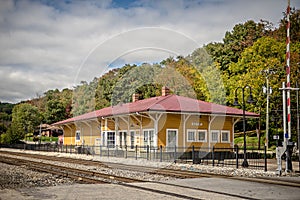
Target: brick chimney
<point>165,91</point>
<point>135,97</point>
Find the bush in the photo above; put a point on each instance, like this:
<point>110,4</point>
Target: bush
<point>4,138</point>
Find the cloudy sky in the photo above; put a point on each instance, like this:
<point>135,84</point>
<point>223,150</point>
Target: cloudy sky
<point>56,44</point>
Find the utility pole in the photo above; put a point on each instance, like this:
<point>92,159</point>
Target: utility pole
<point>268,91</point>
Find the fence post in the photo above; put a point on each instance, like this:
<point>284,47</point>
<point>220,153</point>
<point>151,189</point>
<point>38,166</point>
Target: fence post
<point>213,156</point>
<point>175,154</point>
<point>160,152</point>
<point>237,156</point>
<point>136,151</point>
<point>265,158</point>
<point>193,154</point>
<point>147,152</point>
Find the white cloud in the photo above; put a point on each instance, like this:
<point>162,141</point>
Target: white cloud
<point>44,46</point>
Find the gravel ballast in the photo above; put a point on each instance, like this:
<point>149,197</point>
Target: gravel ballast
<point>12,177</point>
<point>19,177</point>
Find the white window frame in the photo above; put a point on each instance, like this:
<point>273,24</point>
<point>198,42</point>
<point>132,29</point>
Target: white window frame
<point>107,140</point>
<point>187,135</point>
<point>76,134</point>
<point>228,133</point>
<point>150,140</point>
<point>122,141</point>
<point>211,136</point>
<point>167,136</point>
<point>205,134</point>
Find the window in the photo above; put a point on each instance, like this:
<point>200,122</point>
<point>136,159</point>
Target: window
<point>191,135</point>
<point>172,139</point>
<point>132,133</point>
<point>202,135</point>
<point>225,136</point>
<point>214,136</point>
<point>77,136</point>
<point>122,138</point>
<point>110,139</point>
<point>148,138</point>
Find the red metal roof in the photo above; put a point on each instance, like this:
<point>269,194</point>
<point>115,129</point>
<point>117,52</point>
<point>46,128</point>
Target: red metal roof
<point>169,103</point>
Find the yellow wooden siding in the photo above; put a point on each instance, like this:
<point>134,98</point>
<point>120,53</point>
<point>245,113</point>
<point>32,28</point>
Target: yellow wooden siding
<point>167,121</point>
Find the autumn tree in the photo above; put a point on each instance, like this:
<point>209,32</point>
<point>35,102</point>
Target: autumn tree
<point>235,41</point>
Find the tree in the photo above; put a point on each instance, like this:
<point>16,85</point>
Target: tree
<point>84,97</point>
<point>55,111</point>
<point>280,33</point>
<point>25,118</point>
<point>234,42</point>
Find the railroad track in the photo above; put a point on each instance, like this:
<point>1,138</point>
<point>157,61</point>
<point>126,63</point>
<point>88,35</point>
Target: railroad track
<point>153,170</point>
<point>173,190</point>
<point>145,169</point>
<point>74,173</point>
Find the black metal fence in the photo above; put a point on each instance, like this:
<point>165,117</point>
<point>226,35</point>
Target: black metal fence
<point>225,157</point>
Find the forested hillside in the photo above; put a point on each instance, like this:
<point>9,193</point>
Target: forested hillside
<point>211,73</point>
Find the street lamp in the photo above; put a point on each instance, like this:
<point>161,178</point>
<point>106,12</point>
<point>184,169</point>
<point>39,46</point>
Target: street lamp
<point>236,103</point>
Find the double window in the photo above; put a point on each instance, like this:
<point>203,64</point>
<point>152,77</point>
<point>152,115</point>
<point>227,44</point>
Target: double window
<point>194,135</point>
<point>224,137</point>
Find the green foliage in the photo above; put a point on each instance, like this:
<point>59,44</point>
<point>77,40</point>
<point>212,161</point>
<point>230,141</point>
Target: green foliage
<point>280,33</point>
<point>84,98</point>
<point>234,42</point>
<point>251,142</point>
<point>212,73</point>
<point>25,118</point>
<point>5,116</point>
<point>4,138</point>
<point>55,111</point>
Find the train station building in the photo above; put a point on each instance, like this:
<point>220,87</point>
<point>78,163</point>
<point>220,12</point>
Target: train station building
<point>168,120</point>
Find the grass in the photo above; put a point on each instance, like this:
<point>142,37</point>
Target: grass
<point>252,142</point>
<point>42,138</point>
